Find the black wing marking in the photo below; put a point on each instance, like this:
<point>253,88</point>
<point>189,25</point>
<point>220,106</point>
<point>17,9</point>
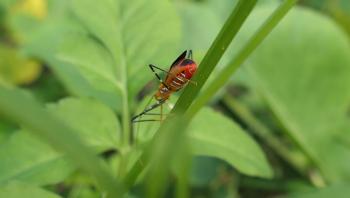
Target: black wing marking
<point>179,59</point>
<point>189,54</point>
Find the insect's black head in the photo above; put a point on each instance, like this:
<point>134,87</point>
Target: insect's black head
<point>187,62</point>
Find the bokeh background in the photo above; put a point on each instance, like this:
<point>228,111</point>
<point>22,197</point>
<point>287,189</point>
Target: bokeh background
<point>292,96</point>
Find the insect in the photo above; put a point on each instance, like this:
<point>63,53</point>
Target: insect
<point>179,74</point>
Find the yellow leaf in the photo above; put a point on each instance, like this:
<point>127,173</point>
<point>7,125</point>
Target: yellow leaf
<point>16,69</point>
<point>35,8</point>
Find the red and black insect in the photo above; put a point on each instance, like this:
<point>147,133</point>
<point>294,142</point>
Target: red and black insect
<point>179,74</point>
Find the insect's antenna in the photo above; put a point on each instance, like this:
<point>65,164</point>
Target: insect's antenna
<point>189,54</point>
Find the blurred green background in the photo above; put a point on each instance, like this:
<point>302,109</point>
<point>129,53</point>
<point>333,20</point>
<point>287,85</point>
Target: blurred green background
<point>282,122</point>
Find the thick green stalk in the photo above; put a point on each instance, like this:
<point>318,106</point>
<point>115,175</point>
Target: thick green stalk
<point>184,161</point>
<point>24,110</point>
<point>162,151</point>
<point>243,54</point>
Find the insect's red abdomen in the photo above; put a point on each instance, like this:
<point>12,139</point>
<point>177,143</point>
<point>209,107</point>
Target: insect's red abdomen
<point>190,70</point>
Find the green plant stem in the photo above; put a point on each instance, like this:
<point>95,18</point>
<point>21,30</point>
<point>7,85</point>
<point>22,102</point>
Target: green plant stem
<point>161,154</point>
<point>171,133</point>
<point>297,160</point>
<point>243,54</point>
<point>24,110</point>
<point>123,73</point>
<point>126,121</point>
<point>214,54</point>
<point>126,135</point>
<point>184,168</point>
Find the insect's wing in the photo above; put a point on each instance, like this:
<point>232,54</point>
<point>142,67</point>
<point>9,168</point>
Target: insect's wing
<point>176,62</point>
<point>179,59</point>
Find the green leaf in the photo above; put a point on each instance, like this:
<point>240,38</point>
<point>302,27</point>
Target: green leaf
<point>337,190</point>
<point>26,158</point>
<point>204,170</point>
<point>44,44</point>
<point>303,71</point>
<point>91,60</point>
<point>6,129</point>
<point>213,135</point>
<point>131,34</point>
<point>47,40</point>
<point>319,4</point>
<point>135,33</point>
<point>95,122</point>
<point>18,190</point>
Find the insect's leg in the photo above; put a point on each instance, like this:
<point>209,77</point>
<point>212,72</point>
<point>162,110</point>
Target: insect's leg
<point>144,109</point>
<point>152,114</point>
<point>135,118</point>
<point>157,75</point>
<point>169,73</point>
<point>153,66</point>
<point>147,120</point>
<point>151,120</point>
<point>190,54</point>
<point>147,109</point>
